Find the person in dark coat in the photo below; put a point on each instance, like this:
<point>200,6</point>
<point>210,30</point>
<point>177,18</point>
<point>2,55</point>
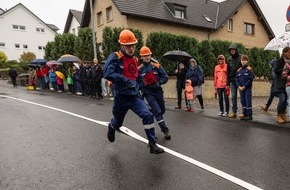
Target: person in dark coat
<point>271,97</point>
<point>180,73</point>
<point>13,75</point>
<point>280,86</point>
<point>96,79</point>
<point>234,63</point>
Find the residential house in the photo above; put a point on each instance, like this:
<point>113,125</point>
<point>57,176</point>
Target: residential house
<point>22,31</point>
<point>73,22</point>
<point>240,21</point>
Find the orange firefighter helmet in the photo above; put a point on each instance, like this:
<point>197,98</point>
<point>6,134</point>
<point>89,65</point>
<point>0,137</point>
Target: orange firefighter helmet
<point>127,38</point>
<point>145,51</point>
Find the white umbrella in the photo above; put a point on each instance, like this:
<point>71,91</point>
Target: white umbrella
<point>279,42</point>
<point>76,65</point>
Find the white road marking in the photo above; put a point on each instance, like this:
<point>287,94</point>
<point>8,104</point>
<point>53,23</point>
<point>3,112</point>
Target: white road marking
<point>138,137</point>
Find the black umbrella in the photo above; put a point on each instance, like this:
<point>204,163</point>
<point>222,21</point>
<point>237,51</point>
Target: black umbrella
<point>39,61</point>
<point>34,66</point>
<point>177,55</point>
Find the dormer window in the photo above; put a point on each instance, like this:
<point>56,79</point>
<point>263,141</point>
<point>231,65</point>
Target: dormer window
<point>176,10</point>
<point>179,11</point>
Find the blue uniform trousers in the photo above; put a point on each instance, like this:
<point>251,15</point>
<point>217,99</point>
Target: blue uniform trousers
<point>246,101</point>
<point>122,103</point>
<point>156,102</point>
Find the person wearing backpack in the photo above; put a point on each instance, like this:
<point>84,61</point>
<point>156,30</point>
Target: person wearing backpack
<point>121,68</point>
<point>195,74</point>
<point>52,79</point>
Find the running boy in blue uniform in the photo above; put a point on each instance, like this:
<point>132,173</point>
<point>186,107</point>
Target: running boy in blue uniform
<point>121,68</point>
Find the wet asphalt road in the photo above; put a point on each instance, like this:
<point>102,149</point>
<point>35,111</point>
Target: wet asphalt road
<point>50,148</point>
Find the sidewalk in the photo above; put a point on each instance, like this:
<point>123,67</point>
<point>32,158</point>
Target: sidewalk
<point>211,109</point>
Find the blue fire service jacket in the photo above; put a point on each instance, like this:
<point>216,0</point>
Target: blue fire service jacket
<point>122,70</point>
<point>244,76</point>
<point>153,76</point>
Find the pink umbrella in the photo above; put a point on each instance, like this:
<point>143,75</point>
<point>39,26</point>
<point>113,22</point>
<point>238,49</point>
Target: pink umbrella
<point>53,62</point>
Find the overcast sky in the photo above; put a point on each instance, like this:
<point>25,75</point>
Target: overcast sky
<point>56,11</point>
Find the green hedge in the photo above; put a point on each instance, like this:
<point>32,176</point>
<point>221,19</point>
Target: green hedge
<point>204,52</point>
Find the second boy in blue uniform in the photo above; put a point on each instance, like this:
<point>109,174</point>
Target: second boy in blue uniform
<point>153,76</point>
<point>244,81</point>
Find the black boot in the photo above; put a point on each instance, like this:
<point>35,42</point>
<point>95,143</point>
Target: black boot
<point>154,149</point>
<point>165,130</point>
<point>167,136</point>
<point>111,133</point>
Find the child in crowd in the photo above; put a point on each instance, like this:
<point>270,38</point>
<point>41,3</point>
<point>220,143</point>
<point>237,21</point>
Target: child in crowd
<point>69,81</point>
<point>244,81</point>
<point>31,83</point>
<point>221,85</point>
<point>52,79</point>
<point>188,91</point>
<point>59,81</point>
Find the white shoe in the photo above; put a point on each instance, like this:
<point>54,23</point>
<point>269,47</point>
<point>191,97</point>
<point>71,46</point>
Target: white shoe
<point>220,114</point>
<point>79,93</point>
<point>226,114</point>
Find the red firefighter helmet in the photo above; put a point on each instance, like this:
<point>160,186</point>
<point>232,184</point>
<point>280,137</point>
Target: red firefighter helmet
<point>145,51</point>
<point>127,38</point>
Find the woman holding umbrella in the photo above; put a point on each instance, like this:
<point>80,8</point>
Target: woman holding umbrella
<point>182,58</point>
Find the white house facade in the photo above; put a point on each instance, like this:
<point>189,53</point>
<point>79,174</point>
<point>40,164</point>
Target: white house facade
<point>74,27</point>
<point>73,22</point>
<point>22,31</point>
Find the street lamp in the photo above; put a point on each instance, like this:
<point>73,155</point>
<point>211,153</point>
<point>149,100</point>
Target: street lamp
<point>93,29</point>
